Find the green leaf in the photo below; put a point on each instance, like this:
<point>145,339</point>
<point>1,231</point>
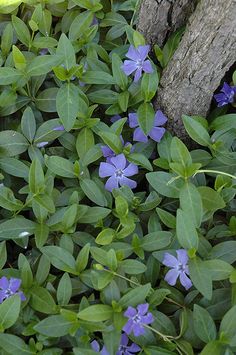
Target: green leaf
<point>67,103</point>
<point>46,100</point>
<point>186,231</point>
<point>8,200</point>
<point>22,30</point>
<point>80,25</point>
<point>96,313</point>
<point>146,117</point>
<point>171,45</point>
<point>60,166</point>
<point>219,269</point>
<point>180,153</point>
<point>94,214</point>
<point>54,326</point>
<point>228,326</point>
<point>140,159</point>
<point>211,199</point>
<point>167,218</point>
<point>132,267</point>
<point>36,177</point>
<point>225,251</point>
<point>149,85</point>
<point>97,77</point>
<point>12,344</point>
<point>3,254</point>
<point>9,311</point>
<point>42,301</point>
<point>200,276</point>
<point>155,241</point>
<point>14,167</point>
<point>214,347</point>
<point>60,258</point>
<point>161,182</point>
<point>93,192</point>
<point>28,124</point>
<point>84,141</point>
<point>112,140</point>
<point>12,143</point>
<point>204,325</point>
<point>224,123</point>
<point>41,234</point>
<point>120,78</point>
<point>82,258</point>
<point>18,58</point>
<point>7,39</point>
<point>66,50</point>
<point>17,227</point>
<point>105,237</point>
<point>64,290</point>
<point>135,296</point>
<point>43,64</point>
<point>196,131</point>
<point>191,203</point>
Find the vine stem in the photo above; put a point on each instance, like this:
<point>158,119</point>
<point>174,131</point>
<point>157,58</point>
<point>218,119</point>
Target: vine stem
<point>214,172</point>
<point>163,336</point>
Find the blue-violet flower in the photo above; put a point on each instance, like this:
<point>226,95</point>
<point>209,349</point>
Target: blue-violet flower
<point>226,96</point>
<point>156,132</point>
<point>179,268</point>
<point>137,319</point>
<point>137,62</point>
<point>9,288</point>
<point>118,170</point>
<point>125,349</point>
<point>96,347</point>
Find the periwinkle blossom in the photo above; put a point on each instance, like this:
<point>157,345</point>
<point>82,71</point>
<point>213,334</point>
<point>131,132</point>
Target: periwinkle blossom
<point>96,347</point>
<point>156,133</point>
<point>115,118</point>
<point>9,288</point>
<point>227,95</point>
<point>41,144</point>
<point>108,153</point>
<point>59,128</point>
<point>179,268</point>
<point>137,319</point>
<point>118,171</point>
<point>137,62</point>
<point>125,349</point>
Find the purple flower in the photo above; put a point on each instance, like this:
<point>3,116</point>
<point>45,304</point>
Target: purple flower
<point>41,144</point>
<point>59,128</point>
<point>115,118</point>
<point>10,288</point>
<point>43,51</point>
<point>137,63</point>
<point>137,319</point>
<point>227,95</point>
<point>118,170</point>
<point>96,347</point>
<point>156,132</point>
<point>179,268</point>
<point>125,349</point>
<point>107,153</point>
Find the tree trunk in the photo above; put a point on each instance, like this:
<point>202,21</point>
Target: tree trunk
<point>159,18</point>
<point>206,52</point>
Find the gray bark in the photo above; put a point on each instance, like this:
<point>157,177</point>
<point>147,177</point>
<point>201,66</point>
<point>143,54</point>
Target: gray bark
<point>159,18</point>
<point>206,52</point>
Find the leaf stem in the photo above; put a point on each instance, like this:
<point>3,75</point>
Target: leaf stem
<point>214,172</point>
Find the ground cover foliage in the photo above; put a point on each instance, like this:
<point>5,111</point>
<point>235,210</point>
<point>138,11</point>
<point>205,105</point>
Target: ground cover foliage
<point>115,238</point>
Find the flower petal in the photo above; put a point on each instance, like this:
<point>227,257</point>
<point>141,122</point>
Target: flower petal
<point>2,296</point>
<point>148,319</point>
<point>133,348</point>
<point>130,312</point>
<point>147,67</point>
<point>104,351</point>
<point>133,53</point>
<point>170,260</point>
<point>138,329</point>
<point>95,346</point>
<point>124,339</point>
<point>127,182</point>
<point>143,308</point>
<point>137,75</point>
<point>127,328</point>
<point>185,280</point>
<point>129,67</point>
<point>159,118</point>
<point>133,120</point>
<point>106,151</point>
<point>157,133</point>
<point>182,256</point>
<point>171,277</point>
<point>115,118</point>
<point>139,136</point>
<point>106,169</point>
<point>4,283</point>
<point>119,161</point>
<point>131,170</point>
<point>143,51</point>
<point>112,183</point>
<point>14,284</point>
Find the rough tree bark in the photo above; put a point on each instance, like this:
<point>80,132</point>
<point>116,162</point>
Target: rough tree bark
<point>206,51</point>
<point>159,18</point>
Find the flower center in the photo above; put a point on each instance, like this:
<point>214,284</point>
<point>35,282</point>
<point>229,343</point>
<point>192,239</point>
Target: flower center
<point>137,318</point>
<point>139,63</point>
<point>181,268</point>
<point>119,173</point>
<point>122,349</point>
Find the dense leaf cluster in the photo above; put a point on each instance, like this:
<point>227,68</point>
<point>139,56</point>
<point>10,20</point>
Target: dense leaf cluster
<point>85,255</point>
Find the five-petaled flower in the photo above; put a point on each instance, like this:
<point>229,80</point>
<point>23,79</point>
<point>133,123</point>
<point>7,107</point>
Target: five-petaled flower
<point>118,169</point>
<point>137,62</point>
<point>179,268</point>
<point>156,133</point>
<point>137,319</point>
<point>227,95</point>
<point>9,288</point>
<point>125,349</point>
